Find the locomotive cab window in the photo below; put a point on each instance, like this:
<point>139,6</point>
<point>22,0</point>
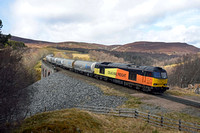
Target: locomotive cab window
<point>132,75</point>
<point>161,75</point>
<point>164,75</point>
<point>102,70</point>
<point>156,75</point>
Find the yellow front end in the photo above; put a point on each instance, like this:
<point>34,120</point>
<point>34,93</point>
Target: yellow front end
<point>159,82</point>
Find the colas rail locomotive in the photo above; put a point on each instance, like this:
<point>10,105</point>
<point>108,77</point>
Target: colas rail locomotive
<point>145,78</point>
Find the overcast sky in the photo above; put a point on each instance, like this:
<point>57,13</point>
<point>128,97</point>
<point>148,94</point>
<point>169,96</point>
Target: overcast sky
<point>103,21</point>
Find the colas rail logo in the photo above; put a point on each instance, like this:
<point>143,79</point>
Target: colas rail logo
<point>121,74</point>
<point>111,73</point>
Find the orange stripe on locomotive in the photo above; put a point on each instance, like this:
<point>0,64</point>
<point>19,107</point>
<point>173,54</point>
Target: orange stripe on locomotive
<point>124,75</point>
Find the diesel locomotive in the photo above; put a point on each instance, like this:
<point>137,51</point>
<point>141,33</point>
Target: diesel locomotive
<point>145,78</point>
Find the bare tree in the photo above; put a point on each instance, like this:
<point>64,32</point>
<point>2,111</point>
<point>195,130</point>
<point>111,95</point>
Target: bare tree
<point>102,56</point>
<point>186,72</point>
<point>13,79</point>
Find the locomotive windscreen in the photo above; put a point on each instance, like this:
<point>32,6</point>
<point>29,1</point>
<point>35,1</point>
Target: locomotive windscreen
<point>160,75</point>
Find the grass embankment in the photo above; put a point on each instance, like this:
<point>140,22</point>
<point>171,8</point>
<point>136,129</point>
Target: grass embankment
<point>74,120</point>
<point>132,102</point>
<point>32,61</point>
<point>38,70</point>
<point>183,117</point>
<point>177,91</point>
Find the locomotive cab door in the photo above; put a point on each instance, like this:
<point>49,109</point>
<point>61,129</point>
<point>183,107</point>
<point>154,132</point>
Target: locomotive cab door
<point>144,77</point>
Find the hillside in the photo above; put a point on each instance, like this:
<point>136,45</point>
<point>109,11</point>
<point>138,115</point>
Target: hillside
<point>79,121</point>
<point>161,47</point>
<point>67,44</point>
<point>25,40</point>
<point>142,46</point>
<point>82,45</point>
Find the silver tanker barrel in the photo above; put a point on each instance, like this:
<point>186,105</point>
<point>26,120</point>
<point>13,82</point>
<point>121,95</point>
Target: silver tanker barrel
<point>68,63</point>
<point>84,66</point>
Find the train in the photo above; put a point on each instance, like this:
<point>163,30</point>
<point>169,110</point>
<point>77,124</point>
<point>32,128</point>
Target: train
<point>146,78</point>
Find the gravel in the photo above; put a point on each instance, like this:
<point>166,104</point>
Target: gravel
<point>59,91</point>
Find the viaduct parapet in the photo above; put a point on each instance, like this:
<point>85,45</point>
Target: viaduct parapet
<point>47,69</point>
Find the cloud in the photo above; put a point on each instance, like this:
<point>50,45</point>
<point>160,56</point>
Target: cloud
<point>107,21</point>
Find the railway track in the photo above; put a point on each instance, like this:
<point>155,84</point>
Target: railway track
<point>181,100</point>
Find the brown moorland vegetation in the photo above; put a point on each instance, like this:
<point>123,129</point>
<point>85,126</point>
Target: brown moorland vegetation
<point>159,47</point>
<point>143,46</point>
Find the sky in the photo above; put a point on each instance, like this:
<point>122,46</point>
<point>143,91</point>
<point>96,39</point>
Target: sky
<point>103,21</point>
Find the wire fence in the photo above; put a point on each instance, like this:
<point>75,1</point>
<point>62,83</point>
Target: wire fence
<point>158,121</point>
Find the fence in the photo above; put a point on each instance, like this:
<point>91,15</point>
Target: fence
<point>159,121</point>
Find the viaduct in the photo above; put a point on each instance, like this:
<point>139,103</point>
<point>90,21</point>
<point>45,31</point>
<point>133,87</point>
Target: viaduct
<point>47,69</point>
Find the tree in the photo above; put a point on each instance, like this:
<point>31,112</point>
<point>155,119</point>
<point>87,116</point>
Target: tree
<point>0,25</point>
<point>3,38</point>
<point>0,31</point>
<point>14,77</point>
<point>187,72</point>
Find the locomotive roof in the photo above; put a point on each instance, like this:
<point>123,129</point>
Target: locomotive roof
<point>131,66</point>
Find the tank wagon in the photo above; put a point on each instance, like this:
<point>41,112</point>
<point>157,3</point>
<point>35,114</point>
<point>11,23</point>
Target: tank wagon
<point>145,78</point>
<point>68,63</point>
<point>59,61</point>
<point>49,58</point>
<point>85,67</point>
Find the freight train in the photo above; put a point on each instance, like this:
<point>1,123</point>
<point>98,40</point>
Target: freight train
<point>145,78</point>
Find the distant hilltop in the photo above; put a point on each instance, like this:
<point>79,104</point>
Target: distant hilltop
<point>25,40</point>
<point>141,46</point>
<point>158,47</point>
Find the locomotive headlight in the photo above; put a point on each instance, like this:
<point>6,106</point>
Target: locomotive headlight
<point>165,84</point>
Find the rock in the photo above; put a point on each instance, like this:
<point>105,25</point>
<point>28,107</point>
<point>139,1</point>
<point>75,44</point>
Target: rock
<point>190,86</point>
<point>197,88</point>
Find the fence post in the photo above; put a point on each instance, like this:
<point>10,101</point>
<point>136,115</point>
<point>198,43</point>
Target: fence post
<point>119,112</point>
<point>148,118</point>
<point>136,114</point>
<point>161,121</point>
<point>179,125</point>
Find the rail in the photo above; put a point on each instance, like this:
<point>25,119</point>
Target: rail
<point>158,121</point>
